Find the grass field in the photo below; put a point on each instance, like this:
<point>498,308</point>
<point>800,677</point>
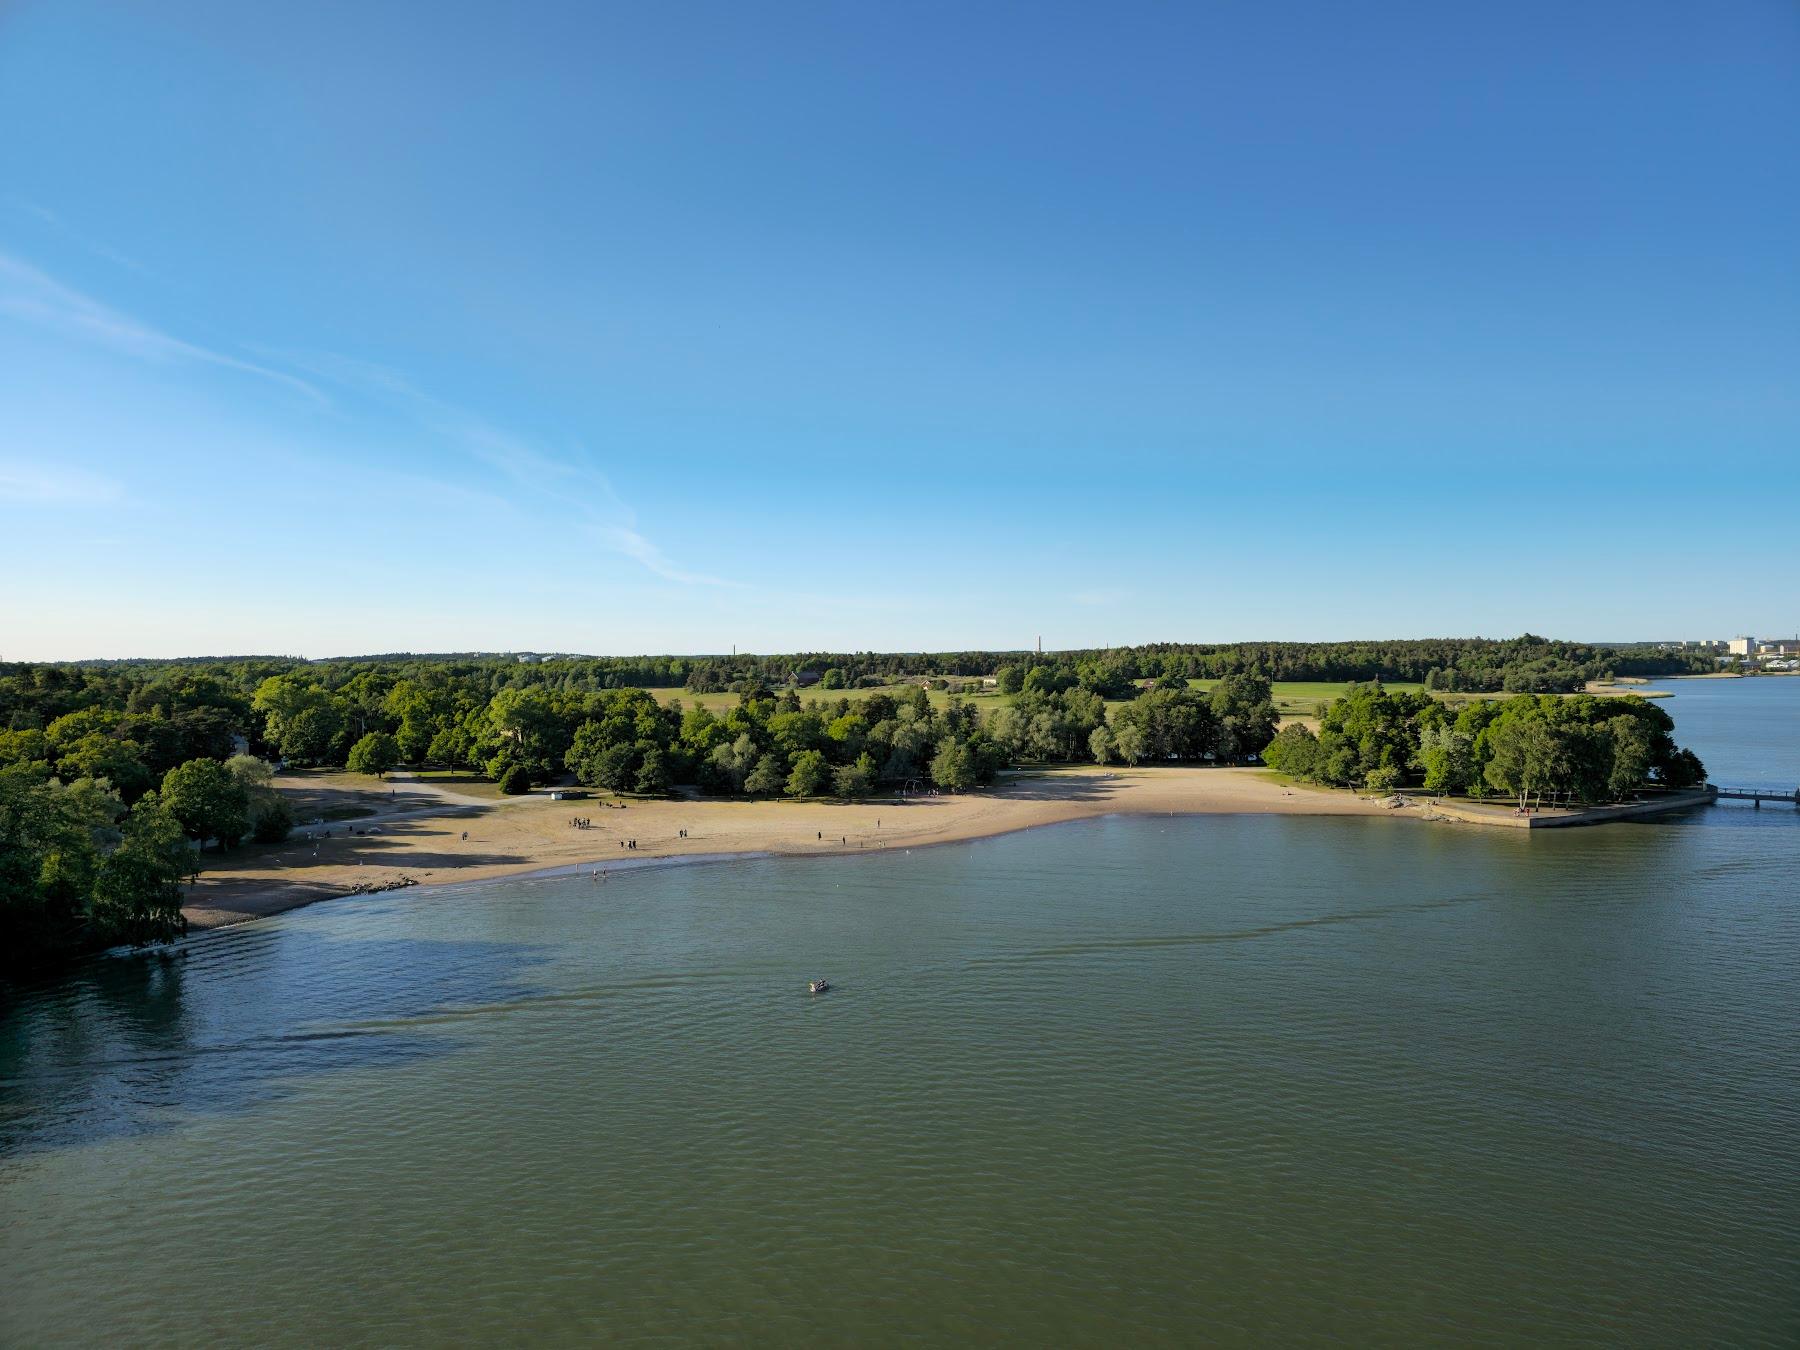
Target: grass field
<point>1293,698</point>
<point>718,703</point>
<point>1301,698</point>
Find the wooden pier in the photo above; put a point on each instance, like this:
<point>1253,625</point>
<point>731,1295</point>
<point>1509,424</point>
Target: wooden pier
<point>1758,795</point>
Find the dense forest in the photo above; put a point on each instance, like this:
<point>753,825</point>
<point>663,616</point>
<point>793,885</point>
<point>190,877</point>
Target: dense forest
<point>1579,749</point>
<point>1479,665</point>
<point>1524,664</point>
<point>116,776</point>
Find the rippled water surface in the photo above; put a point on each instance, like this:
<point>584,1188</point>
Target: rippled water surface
<point>1164,1080</point>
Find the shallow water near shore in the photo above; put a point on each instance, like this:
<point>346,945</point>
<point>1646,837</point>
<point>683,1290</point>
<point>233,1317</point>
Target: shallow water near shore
<point>1170,1079</point>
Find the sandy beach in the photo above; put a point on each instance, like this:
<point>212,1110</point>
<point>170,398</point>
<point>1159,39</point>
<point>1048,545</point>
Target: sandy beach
<point>432,834</point>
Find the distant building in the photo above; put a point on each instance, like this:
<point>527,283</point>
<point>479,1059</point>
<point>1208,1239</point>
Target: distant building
<point>1741,646</point>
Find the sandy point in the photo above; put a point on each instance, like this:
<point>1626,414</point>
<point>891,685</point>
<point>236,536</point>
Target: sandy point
<point>417,831</point>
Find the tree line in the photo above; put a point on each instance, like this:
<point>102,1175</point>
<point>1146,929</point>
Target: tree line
<point>1525,664</point>
<point>115,780</point>
<point>1581,748</point>
<point>85,864</point>
<point>104,767</point>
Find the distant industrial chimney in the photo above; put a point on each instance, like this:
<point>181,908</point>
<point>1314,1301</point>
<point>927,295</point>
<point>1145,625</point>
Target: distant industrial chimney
<point>1040,644</point>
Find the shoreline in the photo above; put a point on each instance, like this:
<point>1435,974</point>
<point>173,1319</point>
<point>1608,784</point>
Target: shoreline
<point>436,837</point>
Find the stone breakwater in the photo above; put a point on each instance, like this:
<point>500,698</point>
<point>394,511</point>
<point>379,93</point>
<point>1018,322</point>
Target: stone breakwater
<point>1506,817</point>
<point>373,887</point>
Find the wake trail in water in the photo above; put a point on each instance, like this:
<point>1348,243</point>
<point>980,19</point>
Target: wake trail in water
<point>1100,945</point>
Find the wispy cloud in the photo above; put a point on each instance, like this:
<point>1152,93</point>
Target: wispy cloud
<point>568,482</point>
<point>36,297</point>
<point>41,485</point>
<point>623,539</point>
<point>45,215</point>
<point>539,480</point>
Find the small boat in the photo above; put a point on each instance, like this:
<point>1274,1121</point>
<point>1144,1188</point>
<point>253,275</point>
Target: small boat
<point>817,986</point>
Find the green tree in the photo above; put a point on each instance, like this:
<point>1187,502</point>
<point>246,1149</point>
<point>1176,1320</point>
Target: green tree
<point>1246,714</point>
<point>1172,724</point>
<point>1681,770</point>
<point>1383,778</point>
<point>137,893</point>
<point>1294,752</point>
<point>857,780</point>
<point>449,747</point>
<point>208,801</point>
<point>505,757</point>
<point>617,769</point>
<point>653,772</point>
<point>271,820</point>
<point>1047,679</point>
<point>303,720</point>
<point>732,763</point>
<point>953,767</point>
<point>766,777</point>
<point>47,866</point>
<point>586,757</point>
<point>251,773</point>
<point>92,804</point>
<point>515,780</point>
<point>808,775</point>
<point>1009,679</point>
<point>1128,743</point>
<point>1448,755</point>
<point>423,711</point>
<point>528,720</point>
<point>119,762</point>
<point>25,746</point>
<point>374,754</point>
<point>1631,756</point>
<point>311,735</point>
<point>1101,745</point>
<point>1524,756</point>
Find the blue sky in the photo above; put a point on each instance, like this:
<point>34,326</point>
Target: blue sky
<point>365,327</point>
